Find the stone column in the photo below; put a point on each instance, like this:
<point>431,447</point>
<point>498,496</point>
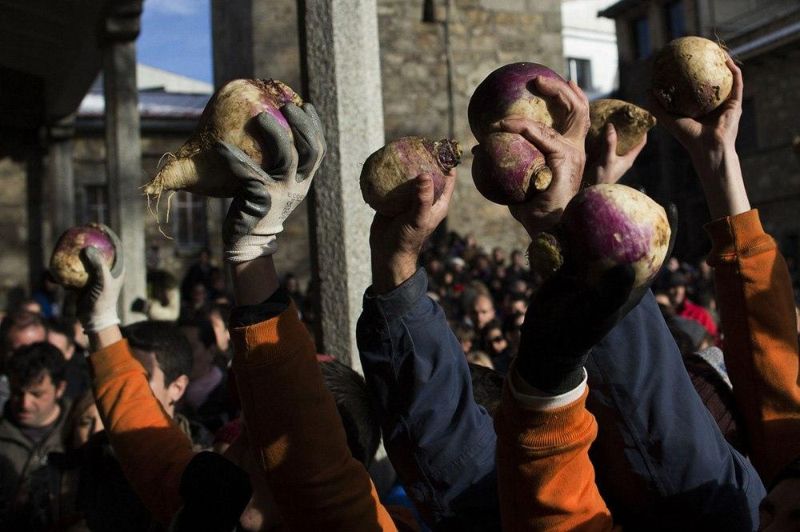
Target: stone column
<point>341,67</point>
<point>123,147</point>
<point>60,177</point>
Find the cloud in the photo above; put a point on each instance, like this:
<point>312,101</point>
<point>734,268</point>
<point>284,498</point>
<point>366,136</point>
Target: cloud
<point>175,7</point>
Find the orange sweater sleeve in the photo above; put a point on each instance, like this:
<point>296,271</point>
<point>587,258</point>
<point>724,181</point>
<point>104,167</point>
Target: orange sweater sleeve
<point>754,294</point>
<point>293,422</point>
<point>544,475</point>
<point>153,452</point>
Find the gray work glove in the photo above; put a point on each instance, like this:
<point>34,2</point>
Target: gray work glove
<point>265,200</point>
<point>97,305</point>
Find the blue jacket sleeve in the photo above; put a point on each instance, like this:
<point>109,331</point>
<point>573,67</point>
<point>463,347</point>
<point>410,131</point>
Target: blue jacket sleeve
<point>661,461</point>
<point>440,441</point>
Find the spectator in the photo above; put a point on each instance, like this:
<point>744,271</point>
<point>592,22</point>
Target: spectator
<point>31,427</point>
<point>481,311</point>
<point>198,273</point>
<point>61,333</point>
<point>47,296</point>
<point>496,345</point>
<point>674,285</point>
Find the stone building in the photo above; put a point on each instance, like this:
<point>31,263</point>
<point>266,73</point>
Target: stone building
<point>169,106</point>
<point>764,37</point>
<point>433,54</point>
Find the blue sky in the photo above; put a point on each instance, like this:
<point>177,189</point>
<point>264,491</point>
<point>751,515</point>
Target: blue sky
<point>176,36</point>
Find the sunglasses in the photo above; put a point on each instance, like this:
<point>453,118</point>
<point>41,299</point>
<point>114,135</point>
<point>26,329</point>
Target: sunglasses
<point>496,339</point>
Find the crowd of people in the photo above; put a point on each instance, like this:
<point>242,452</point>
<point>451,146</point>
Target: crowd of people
<point>504,401</point>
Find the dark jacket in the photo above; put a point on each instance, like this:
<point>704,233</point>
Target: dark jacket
<point>19,459</point>
<point>660,460</point>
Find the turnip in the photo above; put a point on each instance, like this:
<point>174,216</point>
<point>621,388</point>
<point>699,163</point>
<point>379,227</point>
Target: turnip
<point>507,165</point>
<point>388,173</point>
<point>690,77</point>
<point>507,168</point>
<point>507,91</point>
<point>66,264</point>
<point>196,166</point>
<point>630,122</point>
<point>602,227</point>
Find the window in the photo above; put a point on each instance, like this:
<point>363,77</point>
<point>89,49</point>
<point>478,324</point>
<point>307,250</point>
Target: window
<point>96,207</point>
<point>673,15</point>
<point>641,37</point>
<point>580,71</point>
<point>188,213</point>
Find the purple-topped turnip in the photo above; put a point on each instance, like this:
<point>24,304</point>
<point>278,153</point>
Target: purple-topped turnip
<point>196,166</point>
<point>508,168</point>
<point>66,264</point>
<point>388,172</point>
<point>605,226</point>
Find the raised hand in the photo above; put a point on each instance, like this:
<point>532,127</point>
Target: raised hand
<point>267,198</point>
<point>396,242</point>
<point>97,303</point>
<point>564,153</point>
<point>610,167</point>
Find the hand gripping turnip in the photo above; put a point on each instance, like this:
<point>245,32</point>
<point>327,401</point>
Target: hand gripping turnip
<point>388,174</point>
<point>690,77</point>
<point>228,117</point>
<point>508,169</point>
<point>630,121</point>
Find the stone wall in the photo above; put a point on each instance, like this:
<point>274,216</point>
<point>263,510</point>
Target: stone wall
<point>483,35</point>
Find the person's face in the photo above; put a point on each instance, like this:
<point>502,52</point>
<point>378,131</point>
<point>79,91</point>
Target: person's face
<point>482,311</point>
<point>88,423</point>
<point>466,345</point>
<point>26,336</point>
<point>32,306</point>
<point>496,342</point>
<point>780,509</point>
<point>198,294</point>
<point>498,255</point>
<point>517,259</point>
<point>292,285</point>
<point>63,343</point>
<point>35,403</point>
<point>167,394</point>
<point>677,294</point>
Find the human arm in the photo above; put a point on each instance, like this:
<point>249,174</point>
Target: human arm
<point>607,167</point>
<point>411,360</point>
<point>292,422</point>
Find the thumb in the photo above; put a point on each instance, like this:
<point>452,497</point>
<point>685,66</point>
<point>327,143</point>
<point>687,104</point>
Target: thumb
<point>423,198</point>
<point>611,141</point>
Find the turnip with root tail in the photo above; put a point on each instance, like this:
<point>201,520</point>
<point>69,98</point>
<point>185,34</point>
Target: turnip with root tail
<point>66,263</point>
<point>630,121</point>
<point>507,168</point>
<point>605,226</point>
<point>690,77</point>
<point>196,166</point>
<point>388,174</point>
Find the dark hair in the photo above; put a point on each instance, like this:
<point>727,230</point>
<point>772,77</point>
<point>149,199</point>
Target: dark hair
<point>63,326</point>
<point>28,362</point>
<point>205,331</point>
<point>172,349</point>
<point>355,408</point>
<point>19,319</point>
<point>487,387</point>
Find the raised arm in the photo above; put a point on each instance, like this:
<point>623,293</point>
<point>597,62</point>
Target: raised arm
<point>439,440</point>
<point>754,290</point>
<point>292,422</point>
<point>155,455</point>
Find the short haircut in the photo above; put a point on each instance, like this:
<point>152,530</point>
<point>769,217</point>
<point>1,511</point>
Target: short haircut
<point>205,331</point>
<point>355,408</point>
<point>28,362</point>
<point>20,319</point>
<point>172,349</point>
<point>63,326</point>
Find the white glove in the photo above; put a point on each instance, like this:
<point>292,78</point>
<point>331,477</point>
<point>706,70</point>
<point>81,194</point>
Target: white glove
<point>97,306</point>
<point>257,214</point>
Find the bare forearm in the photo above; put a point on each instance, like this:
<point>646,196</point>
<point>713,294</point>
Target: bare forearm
<point>389,273</point>
<point>104,338</point>
<point>721,176</point>
<point>254,281</point>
